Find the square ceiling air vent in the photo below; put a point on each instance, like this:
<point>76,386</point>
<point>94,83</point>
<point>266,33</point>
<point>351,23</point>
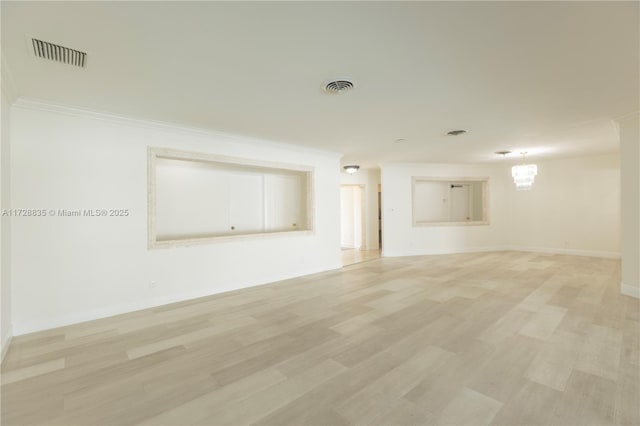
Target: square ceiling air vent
<point>58,53</point>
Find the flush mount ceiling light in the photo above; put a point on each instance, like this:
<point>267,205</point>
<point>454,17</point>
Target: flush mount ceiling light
<point>351,169</point>
<point>524,174</point>
<point>456,132</point>
<point>338,85</point>
<point>503,153</point>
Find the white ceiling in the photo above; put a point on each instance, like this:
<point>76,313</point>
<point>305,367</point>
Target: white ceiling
<point>545,77</point>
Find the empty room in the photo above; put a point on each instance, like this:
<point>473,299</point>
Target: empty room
<point>320,213</point>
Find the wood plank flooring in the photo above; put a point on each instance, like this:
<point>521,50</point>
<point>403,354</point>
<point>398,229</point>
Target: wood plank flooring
<point>352,256</point>
<point>504,338</point>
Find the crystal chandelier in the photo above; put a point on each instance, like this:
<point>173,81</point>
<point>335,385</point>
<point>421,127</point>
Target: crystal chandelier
<point>524,174</point>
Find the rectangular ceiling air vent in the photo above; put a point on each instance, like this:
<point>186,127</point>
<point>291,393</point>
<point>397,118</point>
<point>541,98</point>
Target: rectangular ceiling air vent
<point>55,52</point>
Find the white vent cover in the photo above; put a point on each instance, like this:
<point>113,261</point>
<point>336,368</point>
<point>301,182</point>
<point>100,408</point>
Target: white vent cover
<point>58,53</point>
<point>338,85</point>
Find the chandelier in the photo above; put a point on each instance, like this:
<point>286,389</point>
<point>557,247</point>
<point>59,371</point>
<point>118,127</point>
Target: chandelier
<point>524,174</point>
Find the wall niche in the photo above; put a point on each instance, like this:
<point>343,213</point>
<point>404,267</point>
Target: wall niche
<point>450,201</point>
<point>199,198</point>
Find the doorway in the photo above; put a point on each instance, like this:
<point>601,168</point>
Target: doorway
<point>353,225</point>
<point>352,208</point>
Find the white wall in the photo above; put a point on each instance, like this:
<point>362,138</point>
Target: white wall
<point>71,269</point>
<point>400,238</point>
<point>370,179</point>
<point>5,227</point>
<point>630,170</point>
<point>573,208</point>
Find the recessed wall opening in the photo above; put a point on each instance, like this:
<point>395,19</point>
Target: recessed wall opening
<point>450,201</point>
<point>196,198</point>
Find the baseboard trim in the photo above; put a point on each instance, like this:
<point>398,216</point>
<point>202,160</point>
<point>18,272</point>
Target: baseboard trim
<point>569,252</point>
<point>630,290</point>
<point>41,324</point>
<point>387,253</point>
<point>6,342</point>
<point>545,250</point>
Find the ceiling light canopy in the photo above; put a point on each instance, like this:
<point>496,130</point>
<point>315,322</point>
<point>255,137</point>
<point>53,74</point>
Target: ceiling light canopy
<point>351,169</point>
<point>524,174</point>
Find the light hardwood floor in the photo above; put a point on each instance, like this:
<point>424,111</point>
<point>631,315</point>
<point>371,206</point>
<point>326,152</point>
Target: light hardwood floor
<point>353,256</point>
<point>494,338</point>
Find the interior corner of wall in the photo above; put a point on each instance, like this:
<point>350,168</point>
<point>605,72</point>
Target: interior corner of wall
<point>7,85</point>
<point>6,342</point>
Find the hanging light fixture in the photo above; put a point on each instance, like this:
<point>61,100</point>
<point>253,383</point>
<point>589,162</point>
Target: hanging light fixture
<point>524,174</point>
<point>351,169</point>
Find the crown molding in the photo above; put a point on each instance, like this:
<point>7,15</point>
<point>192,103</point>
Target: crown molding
<point>47,106</point>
